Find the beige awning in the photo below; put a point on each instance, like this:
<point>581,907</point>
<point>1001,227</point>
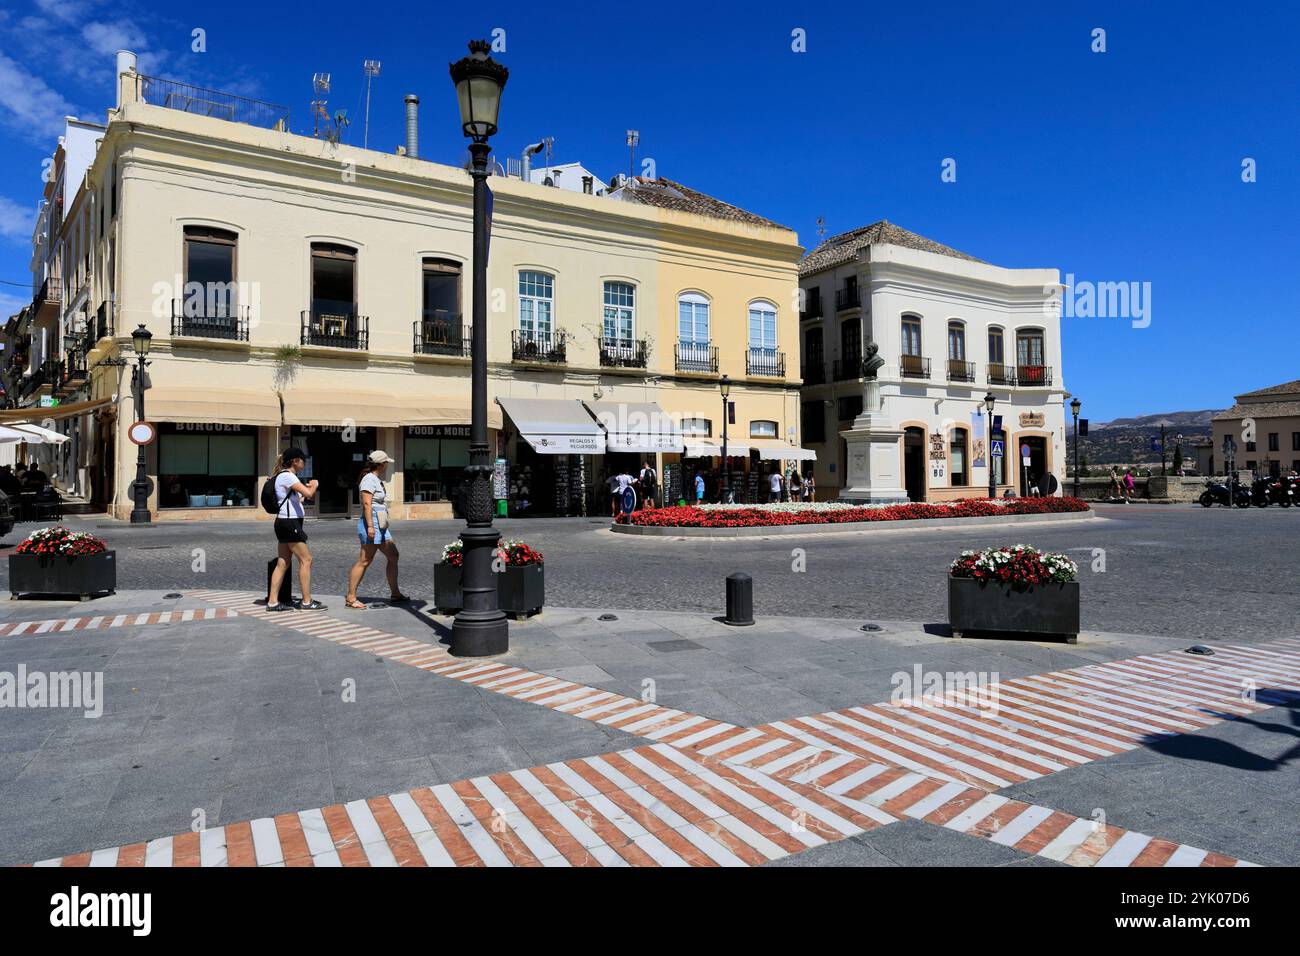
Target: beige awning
<point>319,406</point>
<point>232,406</point>
<point>712,448</point>
<point>773,449</point>
<point>555,426</point>
<point>10,416</point>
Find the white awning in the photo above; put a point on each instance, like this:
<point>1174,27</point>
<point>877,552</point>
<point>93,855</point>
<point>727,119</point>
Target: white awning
<point>641,427</point>
<point>555,426</point>
<point>773,449</point>
<point>712,448</point>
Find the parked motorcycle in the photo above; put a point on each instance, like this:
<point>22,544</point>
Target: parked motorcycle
<point>1271,491</point>
<point>1216,493</point>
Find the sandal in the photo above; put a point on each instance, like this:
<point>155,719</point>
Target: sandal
<point>356,605</point>
<point>399,598</point>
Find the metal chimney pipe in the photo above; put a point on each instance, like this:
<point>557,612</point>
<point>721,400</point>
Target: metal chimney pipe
<point>526,161</point>
<point>412,126</point>
<point>586,184</point>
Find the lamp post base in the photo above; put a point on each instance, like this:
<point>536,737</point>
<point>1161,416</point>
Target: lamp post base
<point>481,628</point>
<point>480,634</point>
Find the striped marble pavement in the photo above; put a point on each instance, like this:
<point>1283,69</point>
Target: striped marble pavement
<point>628,714</point>
<point>101,621</point>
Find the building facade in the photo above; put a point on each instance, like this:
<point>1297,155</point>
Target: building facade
<point>951,330</point>
<point>1264,425</point>
<point>307,292</point>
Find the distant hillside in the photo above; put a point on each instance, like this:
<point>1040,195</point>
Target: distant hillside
<point>1127,441</point>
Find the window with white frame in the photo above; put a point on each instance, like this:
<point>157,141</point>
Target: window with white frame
<point>693,319</point>
<point>696,426</point>
<point>759,428</point>
<point>620,314</point>
<point>762,327</point>
<point>536,305</point>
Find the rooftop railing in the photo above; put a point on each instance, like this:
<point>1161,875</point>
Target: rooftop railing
<point>187,98</point>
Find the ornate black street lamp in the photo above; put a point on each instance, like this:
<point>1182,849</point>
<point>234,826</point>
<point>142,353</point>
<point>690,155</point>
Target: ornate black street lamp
<point>1075,405</point>
<point>989,402</point>
<point>724,386</point>
<point>480,628</point>
<point>141,339</point>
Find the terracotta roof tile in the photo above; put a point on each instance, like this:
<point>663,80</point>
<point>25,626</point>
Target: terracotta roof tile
<point>843,248</point>
<point>666,194</point>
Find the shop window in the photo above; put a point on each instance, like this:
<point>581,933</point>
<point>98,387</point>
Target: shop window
<point>434,459</point>
<point>761,428</point>
<point>958,463</point>
<point>206,465</point>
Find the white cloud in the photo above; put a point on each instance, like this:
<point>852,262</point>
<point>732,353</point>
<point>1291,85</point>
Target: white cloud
<point>16,221</point>
<point>66,10</point>
<point>28,104</point>
<point>12,304</point>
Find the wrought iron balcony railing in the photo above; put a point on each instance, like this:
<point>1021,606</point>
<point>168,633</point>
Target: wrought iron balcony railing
<point>336,330</point>
<point>960,371</point>
<point>695,357</point>
<point>766,362</point>
<point>812,310</point>
<point>103,322</point>
<point>528,345</point>
<point>624,353</point>
<point>913,366</point>
<point>1000,374</point>
<point>1034,375</point>
<point>227,322</point>
<point>847,369</point>
<point>847,298</point>
<point>441,333</point>
<point>813,372</point>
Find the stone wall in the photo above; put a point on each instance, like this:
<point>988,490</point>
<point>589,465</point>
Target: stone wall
<point>1169,489</point>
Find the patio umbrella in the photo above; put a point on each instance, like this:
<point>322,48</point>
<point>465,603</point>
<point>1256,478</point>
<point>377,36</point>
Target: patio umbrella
<point>11,435</point>
<point>36,435</point>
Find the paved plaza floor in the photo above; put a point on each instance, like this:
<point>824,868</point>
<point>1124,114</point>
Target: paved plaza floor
<point>230,736</point>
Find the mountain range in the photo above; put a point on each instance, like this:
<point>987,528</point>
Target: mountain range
<point>1127,441</point>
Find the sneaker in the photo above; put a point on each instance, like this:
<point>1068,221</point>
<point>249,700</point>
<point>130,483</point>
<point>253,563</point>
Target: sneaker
<point>280,607</point>
<point>313,606</point>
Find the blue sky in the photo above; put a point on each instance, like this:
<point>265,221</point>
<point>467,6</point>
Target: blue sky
<point>1117,166</point>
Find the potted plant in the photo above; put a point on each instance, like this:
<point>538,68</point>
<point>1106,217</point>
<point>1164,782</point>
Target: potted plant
<point>1016,590</point>
<point>521,578</point>
<point>58,560</point>
<point>446,580</point>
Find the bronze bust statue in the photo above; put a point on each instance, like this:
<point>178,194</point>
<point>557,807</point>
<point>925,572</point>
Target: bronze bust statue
<point>871,361</point>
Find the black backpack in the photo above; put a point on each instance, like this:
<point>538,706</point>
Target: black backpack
<point>269,499</point>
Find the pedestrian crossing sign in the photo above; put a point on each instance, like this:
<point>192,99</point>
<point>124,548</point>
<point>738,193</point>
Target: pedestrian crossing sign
<point>997,450</point>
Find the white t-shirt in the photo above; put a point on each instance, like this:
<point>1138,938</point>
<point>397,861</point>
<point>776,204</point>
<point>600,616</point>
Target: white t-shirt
<point>776,482</point>
<point>290,501</point>
<point>624,480</point>
<point>372,484</point>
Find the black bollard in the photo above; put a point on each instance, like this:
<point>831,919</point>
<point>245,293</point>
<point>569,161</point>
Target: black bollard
<point>740,600</point>
<point>286,585</point>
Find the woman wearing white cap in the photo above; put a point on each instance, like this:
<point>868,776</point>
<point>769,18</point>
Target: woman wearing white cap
<point>373,530</point>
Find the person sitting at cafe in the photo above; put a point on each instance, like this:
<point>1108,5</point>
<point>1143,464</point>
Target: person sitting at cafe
<point>9,484</point>
<point>35,479</point>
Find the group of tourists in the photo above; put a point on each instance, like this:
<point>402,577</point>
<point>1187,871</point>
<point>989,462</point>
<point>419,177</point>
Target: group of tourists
<point>1121,486</point>
<point>645,487</point>
<point>16,480</point>
<point>287,492</point>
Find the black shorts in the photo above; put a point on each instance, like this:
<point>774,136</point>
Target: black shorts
<point>289,530</point>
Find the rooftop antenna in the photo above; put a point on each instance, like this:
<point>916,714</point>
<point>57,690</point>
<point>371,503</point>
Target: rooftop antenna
<point>821,228</point>
<point>550,144</point>
<point>320,86</point>
<point>633,141</point>
<point>371,69</point>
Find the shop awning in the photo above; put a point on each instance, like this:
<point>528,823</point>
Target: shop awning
<point>773,449</point>
<point>712,448</point>
<point>641,427</point>
<point>197,403</point>
<point>555,426</point>
<point>370,409</point>
<point>11,416</point>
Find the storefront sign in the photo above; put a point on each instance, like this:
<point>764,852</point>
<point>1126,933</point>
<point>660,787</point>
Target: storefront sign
<point>1031,419</point>
<point>207,427</point>
<point>937,451</point>
<point>438,431</point>
<point>567,444</point>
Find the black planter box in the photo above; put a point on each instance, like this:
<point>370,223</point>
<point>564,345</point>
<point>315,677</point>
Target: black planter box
<point>521,590</point>
<point>84,575</point>
<point>446,588</point>
<point>993,609</point>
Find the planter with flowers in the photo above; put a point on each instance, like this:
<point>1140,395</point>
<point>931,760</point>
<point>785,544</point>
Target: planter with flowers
<point>60,561</point>
<point>1017,590</point>
<point>521,580</point>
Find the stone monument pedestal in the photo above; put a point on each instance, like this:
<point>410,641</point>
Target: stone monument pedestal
<point>874,455</point>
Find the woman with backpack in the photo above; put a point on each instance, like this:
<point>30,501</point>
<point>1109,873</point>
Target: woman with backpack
<point>372,529</point>
<point>283,495</point>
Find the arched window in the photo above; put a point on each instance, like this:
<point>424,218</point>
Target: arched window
<point>762,326</point>
<point>536,307</point>
<point>761,428</point>
<point>958,460</point>
<point>694,353</point>
<point>959,370</point>
<point>620,315</point>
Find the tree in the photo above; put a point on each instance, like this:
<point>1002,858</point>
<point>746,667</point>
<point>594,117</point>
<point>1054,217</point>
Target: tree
<point>1178,457</point>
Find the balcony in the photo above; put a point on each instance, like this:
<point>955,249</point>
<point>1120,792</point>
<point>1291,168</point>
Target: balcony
<point>441,333</point>
<point>187,98</point>
<point>1034,376</point>
<point>768,363</point>
<point>959,371</point>
<point>847,369</point>
<point>74,370</point>
<point>696,357</point>
<point>1000,374</point>
<point>50,294</point>
<point>336,330</point>
<point>847,298</point>
<point>527,345</point>
<point>913,366</point>
<point>228,322</point>
<point>813,311</point>
<point>624,353</point>
<point>814,371</point>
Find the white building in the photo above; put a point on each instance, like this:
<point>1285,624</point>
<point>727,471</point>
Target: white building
<point>950,329</point>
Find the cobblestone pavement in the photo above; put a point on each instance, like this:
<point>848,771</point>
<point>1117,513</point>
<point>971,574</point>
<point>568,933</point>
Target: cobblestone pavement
<point>1171,570</point>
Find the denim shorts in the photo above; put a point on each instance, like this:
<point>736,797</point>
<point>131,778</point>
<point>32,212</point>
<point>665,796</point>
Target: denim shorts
<point>382,535</point>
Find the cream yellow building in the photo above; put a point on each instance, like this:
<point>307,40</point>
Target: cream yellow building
<point>304,291</point>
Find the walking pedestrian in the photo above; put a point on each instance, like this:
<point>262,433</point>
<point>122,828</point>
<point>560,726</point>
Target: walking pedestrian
<point>374,532</point>
<point>809,487</point>
<point>796,485</point>
<point>1128,486</point>
<point>774,487</point>
<point>1112,489</point>
<point>291,539</point>
<point>649,481</point>
<point>699,488</point>
<point>611,480</point>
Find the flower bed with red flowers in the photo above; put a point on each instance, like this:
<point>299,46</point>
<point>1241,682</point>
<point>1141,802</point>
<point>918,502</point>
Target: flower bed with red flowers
<point>61,540</point>
<point>689,516</point>
<point>515,554</point>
